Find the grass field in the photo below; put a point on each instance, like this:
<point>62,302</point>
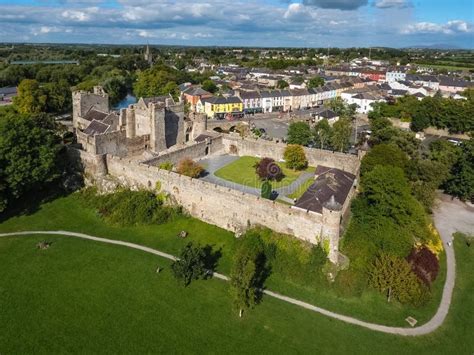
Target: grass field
<point>242,171</point>
<point>87,297</point>
<point>447,66</point>
<point>68,213</point>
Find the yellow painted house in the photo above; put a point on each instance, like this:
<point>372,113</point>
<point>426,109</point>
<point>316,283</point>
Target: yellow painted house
<point>221,107</point>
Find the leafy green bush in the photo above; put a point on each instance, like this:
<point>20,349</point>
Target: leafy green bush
<point>394,277</point>
<point>291,258</point>
<point>295,157</point>
<point>266,191</point>
<point>126,207</point>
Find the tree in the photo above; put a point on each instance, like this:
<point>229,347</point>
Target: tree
<point>282,84</point>
<point>31,97</point>
<point>322,133</point>
<point>209,85</point>
<point>59,97</point>
<point>116,87</point>
<point>384,154</point>
<point>295,157</point>
<point>387,193</point>
<point>190,265</point>
<point>266,190</point>
<point>341,134</point>
<point>189,167</point>
<point>461,183</point>
<point>29,155</point>
<point>393,276</point>
<point>315,82</point>
<point>158,80</point>
<point>268,169</point>
<point>299,133</point>
<point>248,273</point>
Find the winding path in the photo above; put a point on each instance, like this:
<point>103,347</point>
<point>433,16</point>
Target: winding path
<point>426,328</point>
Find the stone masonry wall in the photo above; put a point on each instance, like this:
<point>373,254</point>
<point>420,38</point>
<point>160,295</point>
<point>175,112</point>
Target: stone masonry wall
<point>223,207</point>
<point>193,151</point>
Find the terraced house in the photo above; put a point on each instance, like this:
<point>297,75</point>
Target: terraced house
<point>221,107</point>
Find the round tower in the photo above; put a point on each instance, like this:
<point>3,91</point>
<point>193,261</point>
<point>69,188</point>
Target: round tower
<point>332,212</point>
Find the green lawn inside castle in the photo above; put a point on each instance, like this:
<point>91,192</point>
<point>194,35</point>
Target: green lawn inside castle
<point>242,172</point>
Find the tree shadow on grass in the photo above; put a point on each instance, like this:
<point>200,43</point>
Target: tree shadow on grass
<point>211,259</point>
<point>31,201</point>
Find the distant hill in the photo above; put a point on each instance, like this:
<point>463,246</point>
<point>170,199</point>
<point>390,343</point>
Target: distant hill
<point>436,46</point>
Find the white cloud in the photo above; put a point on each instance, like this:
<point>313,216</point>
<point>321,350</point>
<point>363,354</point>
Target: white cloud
<point>449,28</point>
<point>219,22</point>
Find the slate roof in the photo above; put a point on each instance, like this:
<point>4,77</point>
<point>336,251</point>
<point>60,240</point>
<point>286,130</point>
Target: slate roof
<point>93,114</point>
<point>196,91</point>
<point>218,100</point>
<point>249,94</point>
<point>396,92</point>
<point>447,81</point>
<point>328,114</point>
<point>329,182</point>
<point>96,127</point>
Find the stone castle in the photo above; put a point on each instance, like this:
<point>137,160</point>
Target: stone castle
<point>127,148</point>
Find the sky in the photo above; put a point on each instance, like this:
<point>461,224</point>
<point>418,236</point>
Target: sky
<point>262,23</point>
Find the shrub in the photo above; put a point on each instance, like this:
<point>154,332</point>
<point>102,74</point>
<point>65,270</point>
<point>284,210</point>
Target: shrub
<point>167,165</point>
<point>191,264</point>
<point>268,169</point>
<point>292,259</point>
<point>266,191</point>
<point>189,168</point>
<point>125,207</point>
<point>393,277</point>
<point>424,264</point>
<point>295,157</point>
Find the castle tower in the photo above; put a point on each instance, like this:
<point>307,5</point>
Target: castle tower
<point>83,101</point>
<point>199,124</point>
<point>332,212</point>
<point>158,128</point>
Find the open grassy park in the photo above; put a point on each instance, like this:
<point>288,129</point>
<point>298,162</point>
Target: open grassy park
<point>83,296</point>
<point>242,171</point>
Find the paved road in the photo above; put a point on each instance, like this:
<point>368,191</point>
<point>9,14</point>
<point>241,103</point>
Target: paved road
<point>434,323</point>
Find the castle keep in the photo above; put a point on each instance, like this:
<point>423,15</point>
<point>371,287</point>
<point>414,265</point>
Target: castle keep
<point>127,147</point>
<point>151,125</point>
